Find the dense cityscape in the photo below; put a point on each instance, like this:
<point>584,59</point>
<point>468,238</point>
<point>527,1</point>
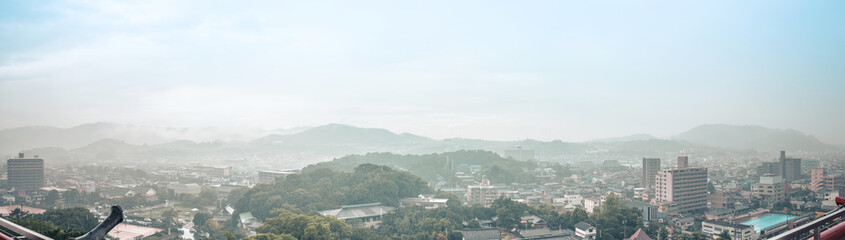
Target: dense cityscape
<point>511,193</point>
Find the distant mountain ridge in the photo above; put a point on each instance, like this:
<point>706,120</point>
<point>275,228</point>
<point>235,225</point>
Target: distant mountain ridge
<point>634,137</point>
<point>339,134</point>
<point>752,137</point>
<point>23,138</point>
<point>337,140</point>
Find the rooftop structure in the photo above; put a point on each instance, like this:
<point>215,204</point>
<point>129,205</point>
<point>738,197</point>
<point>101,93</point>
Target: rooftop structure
<point>370,214</point>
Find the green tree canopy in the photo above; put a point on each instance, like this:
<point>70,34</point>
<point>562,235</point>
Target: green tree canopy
<point>201,218</point>
<point>324,189</point>
<point>616,221</point>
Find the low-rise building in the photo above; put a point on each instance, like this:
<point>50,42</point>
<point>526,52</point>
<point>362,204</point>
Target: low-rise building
<point>270,177</point>
<point>224,190</point>
<point>427,202</point>
<point>719,213</point>
<point>591,204</point>
<point>214,172</point>
<point>683,223</point>
<point>770,189</point>
<point>585,230</point>
<point>736,231</point>
<point>481,234</point>
<point>180,188</point>
<point>369,214</point>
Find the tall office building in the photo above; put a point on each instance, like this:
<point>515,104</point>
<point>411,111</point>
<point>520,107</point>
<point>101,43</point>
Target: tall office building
<point>25,173</point>
<point>790,167</point>
<point>684,188</point>
<point>769,167</point>
<point>650,168</point>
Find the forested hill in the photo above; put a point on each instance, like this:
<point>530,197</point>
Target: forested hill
<point>437,166</point>
<point>324,189</point>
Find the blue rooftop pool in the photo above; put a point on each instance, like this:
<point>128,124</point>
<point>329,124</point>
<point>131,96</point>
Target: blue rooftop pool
<point>768,221</point>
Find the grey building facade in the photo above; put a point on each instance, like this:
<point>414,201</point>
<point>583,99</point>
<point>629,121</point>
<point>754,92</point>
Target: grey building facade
<point>650,168</point>
<point>25,173</point>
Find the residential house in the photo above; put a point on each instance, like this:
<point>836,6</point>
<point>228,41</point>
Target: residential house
<point>585,230</point>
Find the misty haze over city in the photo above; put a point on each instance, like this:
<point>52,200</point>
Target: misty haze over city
<point>483,119</point>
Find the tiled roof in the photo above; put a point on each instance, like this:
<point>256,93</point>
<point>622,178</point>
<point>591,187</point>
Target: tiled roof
<point>481,234</point>
<point>583,225</point>
<point>639,235</point>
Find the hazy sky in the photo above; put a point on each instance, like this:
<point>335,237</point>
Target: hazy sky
<point>571,70</point>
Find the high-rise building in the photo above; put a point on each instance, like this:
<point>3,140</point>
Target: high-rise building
<point>816,179</point>
<point>650,168</point>
<point>790,167</point>
<point>769,167</point>
<point>25,173</point>
<point>684,188</point>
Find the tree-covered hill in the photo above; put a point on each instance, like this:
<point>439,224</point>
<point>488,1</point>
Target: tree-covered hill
<point>323,189</point>
<point>432,167</point>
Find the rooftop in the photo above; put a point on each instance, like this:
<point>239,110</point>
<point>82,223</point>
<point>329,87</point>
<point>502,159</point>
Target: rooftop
<point>639,235</point>
<point>728,224</point>
<point>481,234</point>
<point>582,225</point>
<point>358,211</point>
<point>6,210</point>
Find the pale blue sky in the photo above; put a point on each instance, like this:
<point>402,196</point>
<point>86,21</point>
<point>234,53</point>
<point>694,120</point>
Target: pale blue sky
<point>571,70</point>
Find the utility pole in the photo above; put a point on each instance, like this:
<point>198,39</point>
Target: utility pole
<point>624,228</point>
